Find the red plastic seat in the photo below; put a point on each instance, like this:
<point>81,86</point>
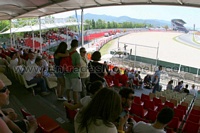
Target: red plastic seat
<point>179,113</point>
<point>138,110</point>
<point>174,124</point>
<point>116,83</point>
<point>47,124</point>
<point>151,115</point>
<point>195,112</point>
<point>160,107</point>
<point>157,101</point>
<point>149,105</point>
<point>24,113</point>
<point>145,97</point>
<point>137,119</point>
<point>181,107</point>
<point>137,100</point>
<point>190,127</point>
<point>194,118</point>
<point>70,114</point>
<point>169,104</point>
<point>60,130</point>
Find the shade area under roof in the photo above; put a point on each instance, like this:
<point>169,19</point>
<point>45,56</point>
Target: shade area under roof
<point>11,9</point>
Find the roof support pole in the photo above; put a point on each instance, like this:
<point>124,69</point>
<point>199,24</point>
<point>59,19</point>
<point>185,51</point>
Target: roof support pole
<point>39,19</point>
<point>82,28</point>
<point>10,33</point>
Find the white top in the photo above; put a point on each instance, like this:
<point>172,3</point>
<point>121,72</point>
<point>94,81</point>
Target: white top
<point>45,65</point>
<point>142,127</point>
<point>13,63</point>
<point>85,101</point>
<point>84,72</point>
<point>193,92</point>
<point>101,128</point>
<point>31,71</point>
<point>30,62</point>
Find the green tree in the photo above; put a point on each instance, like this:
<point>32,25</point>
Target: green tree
<point>93,24</point>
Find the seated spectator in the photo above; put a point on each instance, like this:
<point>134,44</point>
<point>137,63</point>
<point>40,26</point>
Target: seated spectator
<point>127,96</point>
<point>185,89</point>
<point>15,60</point>
<point>193,91</point>
<point>31,59</point>
<point>32,74</point>
<point>147,81</point>
<point>163,118</point>
<point>6,124</point>
<point>45,63</point>
<point>92,88</point>
<point>178,87</point>
<point>98,116</point>
<point>170,85</point>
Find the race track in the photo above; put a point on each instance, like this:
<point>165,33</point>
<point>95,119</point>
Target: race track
<point>169,49</point>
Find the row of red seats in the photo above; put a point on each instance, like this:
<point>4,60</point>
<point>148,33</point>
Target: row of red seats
<point>117,80</point>
<point>147,110</point>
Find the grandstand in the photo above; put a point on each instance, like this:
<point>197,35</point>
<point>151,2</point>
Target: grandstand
<point>177,25</point>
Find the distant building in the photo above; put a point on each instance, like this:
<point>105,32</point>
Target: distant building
<point>177,25</point>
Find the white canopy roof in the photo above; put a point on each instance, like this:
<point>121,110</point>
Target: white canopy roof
<point>36,27</point>
<point>10,9</point>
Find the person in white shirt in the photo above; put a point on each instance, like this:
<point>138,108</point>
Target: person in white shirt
<point>84,72</point>
<point>163,118</point>
<point>193,91</point>
<point>32,74</point>
<point>15,60</point>
<point>31,58</point>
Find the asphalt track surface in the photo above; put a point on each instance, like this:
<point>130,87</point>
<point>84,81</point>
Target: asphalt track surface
<point>169,49</point>
<point>188,39</point>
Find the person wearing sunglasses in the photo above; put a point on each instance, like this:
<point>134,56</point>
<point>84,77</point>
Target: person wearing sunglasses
<point>84,72</point>
<point>7,125</point>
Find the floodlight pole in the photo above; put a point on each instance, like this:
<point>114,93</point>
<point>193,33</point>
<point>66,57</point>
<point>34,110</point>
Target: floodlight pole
<point>197,72</point>
<point>39,19</point>
<point>135,56</point>
<point>82,28</point>
<point>10,32</point>
<point>157,54</point>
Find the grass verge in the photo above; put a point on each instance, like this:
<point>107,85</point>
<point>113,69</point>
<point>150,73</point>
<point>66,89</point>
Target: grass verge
<point>105,49</point>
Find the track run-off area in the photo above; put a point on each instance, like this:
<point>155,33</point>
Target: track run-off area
<point>174,47</point>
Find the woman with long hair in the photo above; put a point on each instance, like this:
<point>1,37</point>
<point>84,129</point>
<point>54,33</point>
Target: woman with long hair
<point>60,52</point>
<point>101,112</point>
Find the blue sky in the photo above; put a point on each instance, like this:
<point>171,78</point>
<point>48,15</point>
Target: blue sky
<point>189,14</point>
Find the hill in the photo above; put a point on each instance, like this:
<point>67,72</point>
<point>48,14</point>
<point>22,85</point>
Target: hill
<point>154,22</point>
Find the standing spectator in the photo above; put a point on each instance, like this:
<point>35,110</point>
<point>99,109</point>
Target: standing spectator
<point>60,52</point>
<point>170,85</point>
<point>156,79</point>
<point>97,70</point>
<point>84,72</point>
<point>193,91</point>
<point>163,118</point>
<point>185,90</point>
<point>72,80</point>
